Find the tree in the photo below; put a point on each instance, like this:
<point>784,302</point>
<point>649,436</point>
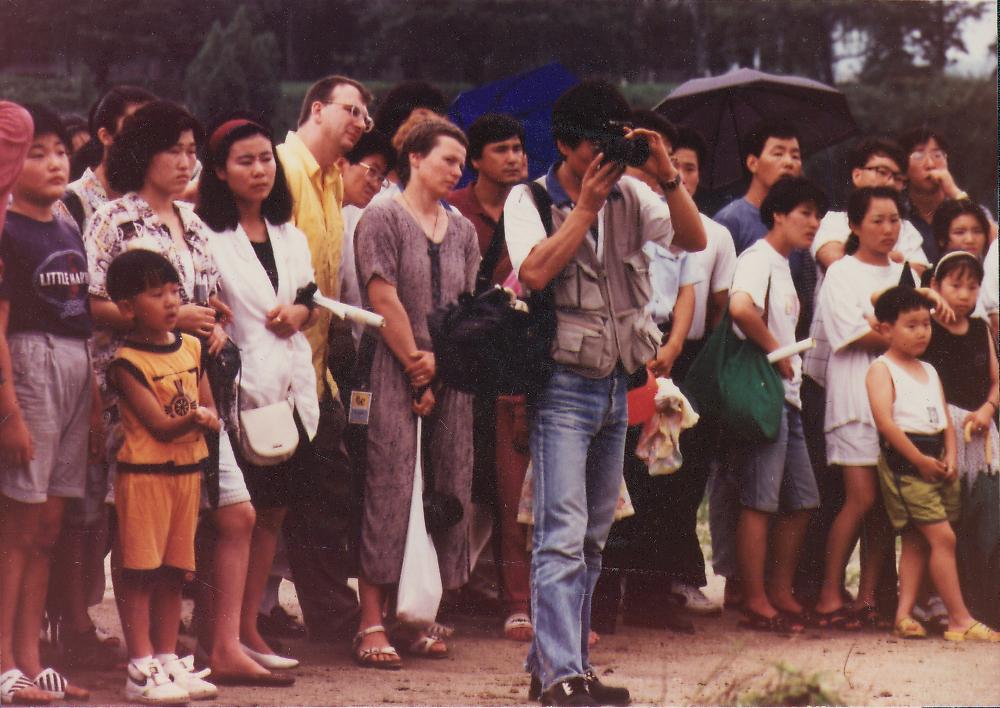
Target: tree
<point>235,69</point>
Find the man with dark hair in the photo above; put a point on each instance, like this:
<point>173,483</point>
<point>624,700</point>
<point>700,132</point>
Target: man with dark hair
<point>777,481</point>
<point>660,522</point>
<point>931,182</point>
<point>496,153</point>
<point>771,152</point>
<point>604,335</point>
<point>334,116</point>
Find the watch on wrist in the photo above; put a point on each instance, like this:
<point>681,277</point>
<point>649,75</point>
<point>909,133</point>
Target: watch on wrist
<point>672,184</point>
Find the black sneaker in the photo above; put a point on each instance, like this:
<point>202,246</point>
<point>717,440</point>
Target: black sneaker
<point>571,692</point>
<point>604,694</point>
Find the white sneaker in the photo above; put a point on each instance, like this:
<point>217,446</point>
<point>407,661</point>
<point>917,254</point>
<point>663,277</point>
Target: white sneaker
<point>150,685</point>
<point>694,600</point>
<point>182,672</point>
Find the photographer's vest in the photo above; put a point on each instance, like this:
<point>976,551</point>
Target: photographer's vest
<point>601,306</point>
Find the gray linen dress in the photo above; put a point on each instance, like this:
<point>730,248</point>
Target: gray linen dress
<point>391,245</point>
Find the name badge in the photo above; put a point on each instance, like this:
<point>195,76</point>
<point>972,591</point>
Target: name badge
<point>361,406</point>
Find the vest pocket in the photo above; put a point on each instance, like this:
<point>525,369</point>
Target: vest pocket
<point>637,270</point>
<point>578,287</point>
<point>579,346</point>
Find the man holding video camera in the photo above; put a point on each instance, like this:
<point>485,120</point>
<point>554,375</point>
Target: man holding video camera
<point>593,258</point>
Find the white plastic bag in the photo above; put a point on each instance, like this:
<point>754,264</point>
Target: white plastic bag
<point>420,578</point>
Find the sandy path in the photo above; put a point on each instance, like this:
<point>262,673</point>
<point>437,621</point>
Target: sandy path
<point>660,667</point>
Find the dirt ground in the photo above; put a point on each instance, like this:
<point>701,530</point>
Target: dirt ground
<point>717,665</point>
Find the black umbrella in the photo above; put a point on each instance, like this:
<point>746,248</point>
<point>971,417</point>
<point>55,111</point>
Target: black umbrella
<point>724,109</point>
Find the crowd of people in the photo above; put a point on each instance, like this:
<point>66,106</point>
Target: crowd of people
<point>171,394</point>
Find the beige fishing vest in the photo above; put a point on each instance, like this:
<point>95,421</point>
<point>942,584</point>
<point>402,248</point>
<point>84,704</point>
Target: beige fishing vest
<point>600,307</point>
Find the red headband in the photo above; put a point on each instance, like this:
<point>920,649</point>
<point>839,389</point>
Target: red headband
<point>223,131</point>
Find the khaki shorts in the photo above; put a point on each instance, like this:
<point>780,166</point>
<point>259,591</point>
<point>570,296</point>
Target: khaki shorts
<point>157,518</point>
<point>910,499</point>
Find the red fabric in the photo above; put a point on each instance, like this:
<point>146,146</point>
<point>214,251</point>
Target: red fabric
<point>466,201</point>
<point>16,131</point>
<point>512,463</point>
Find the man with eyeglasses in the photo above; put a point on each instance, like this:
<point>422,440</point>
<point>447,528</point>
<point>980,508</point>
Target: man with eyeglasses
<point>931,182</point>
<point>333,118</point>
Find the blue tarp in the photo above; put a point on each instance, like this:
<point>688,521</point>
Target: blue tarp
<point>529,98</point>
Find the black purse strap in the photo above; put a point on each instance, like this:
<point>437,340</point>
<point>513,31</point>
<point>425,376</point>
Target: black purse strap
<point>543,203</point>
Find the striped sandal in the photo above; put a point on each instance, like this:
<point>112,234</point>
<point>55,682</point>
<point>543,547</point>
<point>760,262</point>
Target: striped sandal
<point>16,688</point>
<point>59,686</point>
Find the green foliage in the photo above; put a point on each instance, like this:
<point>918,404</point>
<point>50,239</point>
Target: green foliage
<point>235,69</point>
<point>70,94</point>
<point>783,685</point>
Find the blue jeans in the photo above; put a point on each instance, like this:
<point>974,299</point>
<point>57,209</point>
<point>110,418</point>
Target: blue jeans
<point>577,453</point>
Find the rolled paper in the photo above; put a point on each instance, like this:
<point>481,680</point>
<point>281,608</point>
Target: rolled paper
<point>349,312</point>
<point>791,350</point>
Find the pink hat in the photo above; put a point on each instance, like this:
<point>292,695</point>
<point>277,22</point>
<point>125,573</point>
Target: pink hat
<point>16,131</point>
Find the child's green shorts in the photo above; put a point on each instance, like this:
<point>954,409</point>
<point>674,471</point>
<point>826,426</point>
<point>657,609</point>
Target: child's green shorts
<point>910,499</point>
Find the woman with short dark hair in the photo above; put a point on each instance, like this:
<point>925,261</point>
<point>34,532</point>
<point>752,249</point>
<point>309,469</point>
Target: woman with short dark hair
<point>150,164</point>
<point>413,256</point>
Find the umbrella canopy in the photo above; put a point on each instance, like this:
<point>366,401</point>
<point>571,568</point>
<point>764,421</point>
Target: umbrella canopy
<point>529,98</point>
<point>724,109</point>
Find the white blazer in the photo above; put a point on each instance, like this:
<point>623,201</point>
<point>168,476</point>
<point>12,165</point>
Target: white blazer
<point>273,368</point>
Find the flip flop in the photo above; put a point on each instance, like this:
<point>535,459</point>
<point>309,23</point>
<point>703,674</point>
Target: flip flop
<point>978,632</point>
<point>841,618</point>
<point>424,646</point>
<point>779,623</point>
<point>517,626</point>
<point>14,685</point>
<point>909,628</point>
<point>51,681</point>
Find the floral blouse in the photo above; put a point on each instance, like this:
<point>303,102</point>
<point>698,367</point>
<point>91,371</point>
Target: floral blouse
<point>130,222</point>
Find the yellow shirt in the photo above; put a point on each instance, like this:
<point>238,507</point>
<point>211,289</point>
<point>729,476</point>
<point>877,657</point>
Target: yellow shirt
<point>171,372</point>
<point>318,197</point>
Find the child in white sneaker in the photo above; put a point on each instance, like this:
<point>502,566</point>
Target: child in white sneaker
<point>165,404</point>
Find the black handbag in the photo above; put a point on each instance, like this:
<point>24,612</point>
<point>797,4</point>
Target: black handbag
<point>482,344</point>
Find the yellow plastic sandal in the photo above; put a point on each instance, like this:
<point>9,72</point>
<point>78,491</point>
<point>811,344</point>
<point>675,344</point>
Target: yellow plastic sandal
<point>978,632</point>
<point>909,628</point>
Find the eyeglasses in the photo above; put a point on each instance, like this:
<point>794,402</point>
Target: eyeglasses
<point>921,155</point>
<point>374,176</point>
<point>885,173</point>
<point>356,113</point>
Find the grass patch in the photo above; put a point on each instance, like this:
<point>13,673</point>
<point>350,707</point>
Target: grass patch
<point>781,685</point>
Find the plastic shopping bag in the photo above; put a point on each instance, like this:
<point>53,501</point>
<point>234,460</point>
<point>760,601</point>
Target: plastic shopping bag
<point>420,578</point>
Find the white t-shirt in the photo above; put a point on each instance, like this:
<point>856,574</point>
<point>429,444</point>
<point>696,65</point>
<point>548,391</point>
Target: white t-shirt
<point>718,263</point>
<point>754,268</point>
<point>991,281</point>
<point>844,302</point>
<point>835,228</point>
<point>524,230</point>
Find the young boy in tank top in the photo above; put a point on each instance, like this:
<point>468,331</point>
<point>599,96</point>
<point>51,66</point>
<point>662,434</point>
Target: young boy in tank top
<point>917,466</point>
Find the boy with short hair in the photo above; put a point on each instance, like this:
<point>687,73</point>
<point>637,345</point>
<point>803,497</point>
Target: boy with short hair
<point>165,404</point>
<point>46,394</point>
<point>917,463</point>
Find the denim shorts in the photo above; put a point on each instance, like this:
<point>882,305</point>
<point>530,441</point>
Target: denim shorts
<point>778,476</point>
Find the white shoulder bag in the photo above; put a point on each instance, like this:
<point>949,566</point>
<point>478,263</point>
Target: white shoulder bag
<point>420,578</point>
<point>267,435</point>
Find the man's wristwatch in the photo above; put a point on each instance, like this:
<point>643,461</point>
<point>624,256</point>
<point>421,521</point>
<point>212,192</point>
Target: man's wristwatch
<point>672,184</point>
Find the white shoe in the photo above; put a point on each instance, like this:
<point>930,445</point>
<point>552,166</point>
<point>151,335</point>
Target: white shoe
<point>151,686</point>
<point>270,661</point>
<point>182,672</point>
<point>694,600</point>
